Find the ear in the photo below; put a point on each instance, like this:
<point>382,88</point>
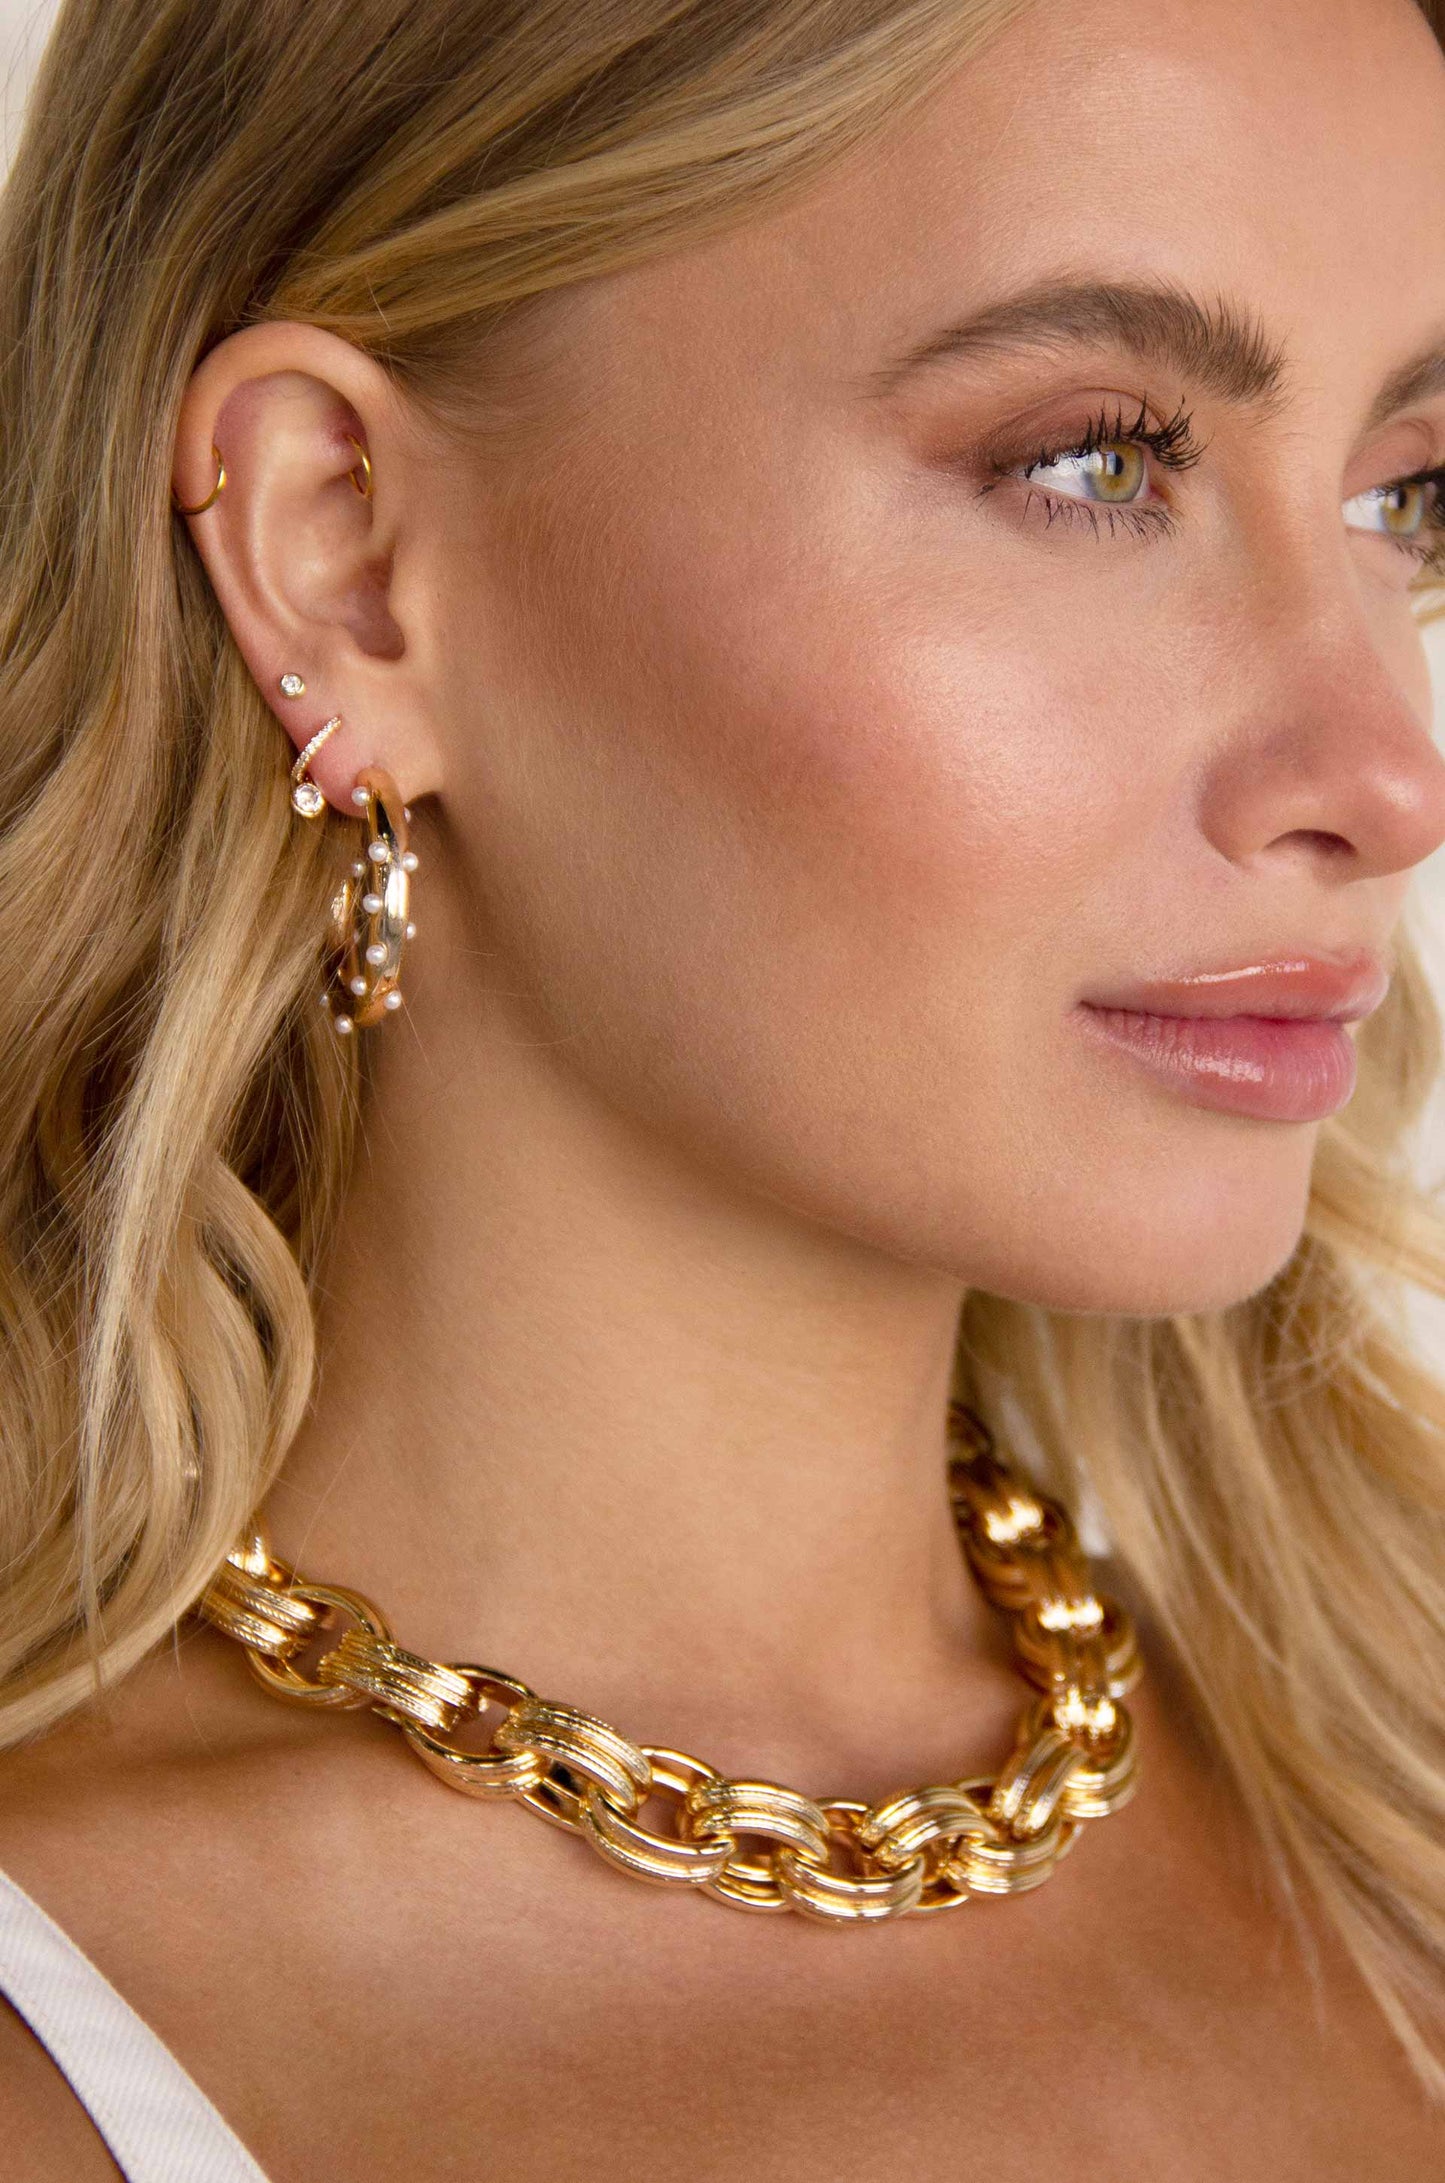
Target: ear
<point>316,576</point>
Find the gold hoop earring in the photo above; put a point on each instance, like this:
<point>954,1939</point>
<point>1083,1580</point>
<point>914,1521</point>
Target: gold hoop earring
<point>370,913</point>
<point>306,797</point>
<point>212,496</point>
<point>364,488</point>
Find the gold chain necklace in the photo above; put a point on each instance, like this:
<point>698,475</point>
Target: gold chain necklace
<point>921,1850</point>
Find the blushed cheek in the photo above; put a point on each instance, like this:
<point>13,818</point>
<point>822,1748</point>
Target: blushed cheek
<point>838,721</point>
<point>961,778</point>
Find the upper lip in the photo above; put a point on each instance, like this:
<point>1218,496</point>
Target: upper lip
<point>1335,988</point>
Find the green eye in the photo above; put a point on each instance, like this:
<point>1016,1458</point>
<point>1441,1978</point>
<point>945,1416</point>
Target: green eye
<point>1405,508</point>
<point>1405,511</point>
<point>1111,475</point>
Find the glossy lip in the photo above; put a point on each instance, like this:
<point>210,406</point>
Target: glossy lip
<point>1265,1039</point>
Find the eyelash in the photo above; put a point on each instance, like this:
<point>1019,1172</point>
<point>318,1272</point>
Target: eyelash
<point>1431,555</point>
<point>1172,444</point>
<point>1175,447</point>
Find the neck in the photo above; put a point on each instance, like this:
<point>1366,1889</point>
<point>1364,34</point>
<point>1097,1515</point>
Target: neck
<point>660,1447</point>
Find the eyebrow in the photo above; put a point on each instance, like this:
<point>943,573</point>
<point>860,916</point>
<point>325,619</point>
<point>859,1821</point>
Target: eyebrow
<point>1214,344</point>
<point>1418,381</point>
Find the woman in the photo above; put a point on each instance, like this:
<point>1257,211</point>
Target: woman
<point>803,618</point>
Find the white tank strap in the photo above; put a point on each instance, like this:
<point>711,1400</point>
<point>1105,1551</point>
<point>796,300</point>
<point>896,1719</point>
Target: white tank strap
<point>155,2119</point>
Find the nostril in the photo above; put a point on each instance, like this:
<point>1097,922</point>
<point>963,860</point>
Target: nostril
<point>1315,837</point>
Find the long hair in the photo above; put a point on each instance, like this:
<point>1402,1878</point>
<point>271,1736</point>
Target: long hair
<point>176,1121</point>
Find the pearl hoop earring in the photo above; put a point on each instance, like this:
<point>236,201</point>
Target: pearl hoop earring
<point>371,911</point>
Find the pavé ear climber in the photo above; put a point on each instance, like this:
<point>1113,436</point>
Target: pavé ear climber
<point>370,920</point>
<point>306,797</point>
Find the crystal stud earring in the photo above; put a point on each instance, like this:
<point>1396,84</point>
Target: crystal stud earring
<point>291,685</point>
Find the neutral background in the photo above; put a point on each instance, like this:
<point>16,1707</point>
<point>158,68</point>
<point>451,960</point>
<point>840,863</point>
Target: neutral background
<point>23,28</point>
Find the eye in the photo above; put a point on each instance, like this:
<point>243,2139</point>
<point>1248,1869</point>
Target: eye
<point>1112,475</point>
<point>1410,511</point>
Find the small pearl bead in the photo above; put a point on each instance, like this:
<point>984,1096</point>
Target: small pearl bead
<point>358,869</point>
<point>371,903</point>
<point>411,932</point>
<point>358,986</point>
<point>325,999</point>
<point>379,853</point>
<point>376,954</point>
<point>393,1000</point>
<point>358,797</point>
<point>406,811</point>
<point>343,1024</point>
<point>410,861</point>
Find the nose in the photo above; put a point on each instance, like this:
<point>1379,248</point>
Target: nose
<point>1334,762</point>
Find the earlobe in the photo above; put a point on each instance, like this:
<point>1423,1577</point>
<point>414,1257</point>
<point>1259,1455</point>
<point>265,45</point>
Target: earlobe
<point>285,420</point>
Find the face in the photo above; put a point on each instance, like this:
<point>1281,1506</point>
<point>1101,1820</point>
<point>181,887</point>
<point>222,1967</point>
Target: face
<point>936,712</point>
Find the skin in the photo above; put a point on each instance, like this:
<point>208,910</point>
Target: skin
<point>780,793</point>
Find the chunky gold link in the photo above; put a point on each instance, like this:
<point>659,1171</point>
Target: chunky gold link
<point>1006,1867</point>
<point>248,1602</point>
<point>657,1856</point>
<point>479,1773</point>
<point>920,1820</point>
<point>1102,1661</point>
<point>401,1686</point>
<point>1109,1772</point>
<point>285,1680</point>
<point>581,1747</point>
<point>916,1853</point>
<point>868,1893</point>
<point>1029,1790</point>
<point>1013,1574</point>
<point>765,1808</point>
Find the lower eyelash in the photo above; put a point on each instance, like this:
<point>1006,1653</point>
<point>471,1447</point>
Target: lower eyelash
<point>1151,521</point>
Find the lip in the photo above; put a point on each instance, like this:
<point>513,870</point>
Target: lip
<point>1266,1038</point>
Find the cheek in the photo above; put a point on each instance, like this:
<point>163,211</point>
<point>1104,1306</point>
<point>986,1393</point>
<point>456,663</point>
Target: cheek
<point>809,856</point>
<point>879,748</point>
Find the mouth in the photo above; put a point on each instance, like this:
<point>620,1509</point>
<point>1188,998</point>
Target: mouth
<point>1268,1039</point>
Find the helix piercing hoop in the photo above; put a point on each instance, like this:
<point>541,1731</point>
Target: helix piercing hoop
<point>212,496</point>
<point>364,487</point>
<point>370,924</point>
<point>306,797</point>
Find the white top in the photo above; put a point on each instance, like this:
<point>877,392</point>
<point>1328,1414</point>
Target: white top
<point>155,2119</point>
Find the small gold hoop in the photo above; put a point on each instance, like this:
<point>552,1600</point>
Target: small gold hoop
<point>306,797</point>
<point>212,496</point>
<point>363,488</point>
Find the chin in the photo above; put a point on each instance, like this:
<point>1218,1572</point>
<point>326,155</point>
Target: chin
<point>1182,1253</point>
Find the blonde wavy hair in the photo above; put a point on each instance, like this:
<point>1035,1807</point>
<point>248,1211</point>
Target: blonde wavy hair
<point>175,1121</point>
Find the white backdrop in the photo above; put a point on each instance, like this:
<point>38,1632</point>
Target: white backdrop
<point>23,27</point>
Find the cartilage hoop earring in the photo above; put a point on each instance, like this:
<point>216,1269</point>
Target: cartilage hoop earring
<point>306,797</point>
<point>212,496</point>
<point>370,913</point>
<point>363,484</point>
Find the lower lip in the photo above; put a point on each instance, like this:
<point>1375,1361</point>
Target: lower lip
<point>1268,1066</point>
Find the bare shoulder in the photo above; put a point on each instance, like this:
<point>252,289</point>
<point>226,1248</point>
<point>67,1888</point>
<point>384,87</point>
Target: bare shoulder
<point>47,2135</point>
<point>60,1795</point>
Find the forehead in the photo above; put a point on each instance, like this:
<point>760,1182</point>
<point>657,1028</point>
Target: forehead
<point>1286,154</point>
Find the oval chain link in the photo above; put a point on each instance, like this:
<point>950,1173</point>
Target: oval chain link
<point>754,1844</point>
